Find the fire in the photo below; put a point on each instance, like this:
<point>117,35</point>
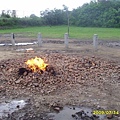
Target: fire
<point>36,64</point>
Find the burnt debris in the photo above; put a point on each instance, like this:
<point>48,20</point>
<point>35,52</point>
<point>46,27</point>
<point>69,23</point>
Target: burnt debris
<point>23,71</point>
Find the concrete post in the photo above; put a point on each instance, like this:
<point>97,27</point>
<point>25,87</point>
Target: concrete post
<point>66,40</point>
<point>39,39</point>
<point>12,39</point>
<point>95,41</point>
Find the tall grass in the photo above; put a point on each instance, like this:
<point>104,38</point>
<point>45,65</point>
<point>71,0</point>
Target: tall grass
<point>75,32</point>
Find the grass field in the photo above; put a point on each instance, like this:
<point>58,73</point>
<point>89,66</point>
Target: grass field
<point>75,32</point>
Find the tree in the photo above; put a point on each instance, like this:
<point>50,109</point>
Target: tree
<point>101,14</point>
<point>54,17</point>
<point>13,13</point>
<point>33,16</point>
<point>5,14</point>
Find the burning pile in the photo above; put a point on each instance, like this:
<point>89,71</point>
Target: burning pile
<point>60,71</point>
<point>36,64</point>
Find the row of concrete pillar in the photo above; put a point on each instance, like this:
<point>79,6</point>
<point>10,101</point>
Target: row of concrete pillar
<point>66,40</point>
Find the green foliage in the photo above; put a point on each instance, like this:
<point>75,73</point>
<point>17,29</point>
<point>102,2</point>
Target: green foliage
<point>8,21</point>
<point>5,15</point>
<point>105,13</point>
<point>20,22</point>
<point>54,17</point>
<point>97,14</point>
<point>30,21</point>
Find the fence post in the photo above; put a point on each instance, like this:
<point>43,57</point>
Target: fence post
<point>39,39</point>
<point>12,39</point>
<point>95,41</point>
<point>66,40</point>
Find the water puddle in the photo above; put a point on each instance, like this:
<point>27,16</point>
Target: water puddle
<point>7,108</point>
<point>75,113</point>
<point>19,44</point>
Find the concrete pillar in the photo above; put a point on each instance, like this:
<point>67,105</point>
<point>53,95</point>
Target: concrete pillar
<point>66,40</point>
<point>95,41</point>
<point>12,39</point>
<point>39,39</point>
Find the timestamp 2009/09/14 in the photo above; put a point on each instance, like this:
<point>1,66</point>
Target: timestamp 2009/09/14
<point>105,112</point>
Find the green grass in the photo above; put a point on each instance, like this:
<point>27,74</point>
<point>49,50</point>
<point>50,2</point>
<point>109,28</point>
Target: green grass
<point>75,32</point>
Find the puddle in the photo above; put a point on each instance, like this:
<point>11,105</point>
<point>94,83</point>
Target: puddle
<point>75,113</point>
<point>19,44</point>
<point>7,108</point>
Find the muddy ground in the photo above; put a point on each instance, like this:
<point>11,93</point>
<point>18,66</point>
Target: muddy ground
<point>106,96</point>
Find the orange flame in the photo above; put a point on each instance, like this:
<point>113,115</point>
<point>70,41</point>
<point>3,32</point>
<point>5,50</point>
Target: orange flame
<point>36,64</point>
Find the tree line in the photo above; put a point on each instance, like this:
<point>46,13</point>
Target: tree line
<point>97,14</point>
<point>103,13</point>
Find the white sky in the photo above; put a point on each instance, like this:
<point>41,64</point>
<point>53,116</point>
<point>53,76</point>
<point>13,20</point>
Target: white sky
<point>27,7</point>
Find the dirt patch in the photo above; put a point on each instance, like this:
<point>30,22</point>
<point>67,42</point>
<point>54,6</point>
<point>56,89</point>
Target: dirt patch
<point>84,77</point>
<point>68,71</point>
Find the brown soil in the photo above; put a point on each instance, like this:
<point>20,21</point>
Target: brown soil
<point>104,92</point>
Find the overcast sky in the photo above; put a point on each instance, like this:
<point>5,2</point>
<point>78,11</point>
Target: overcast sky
<point>27,7</point>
